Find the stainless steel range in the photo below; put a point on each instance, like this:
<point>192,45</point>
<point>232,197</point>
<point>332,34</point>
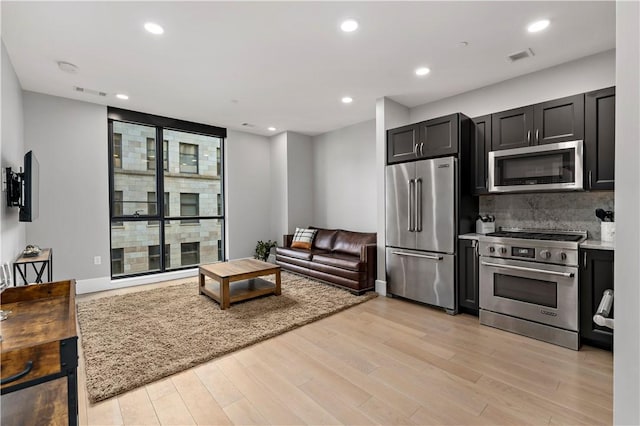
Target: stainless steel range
<point>529,283</point>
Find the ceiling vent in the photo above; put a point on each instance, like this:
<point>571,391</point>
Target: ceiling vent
<point>520,55</point>
<point>89,91</point>
<point>248,125</point>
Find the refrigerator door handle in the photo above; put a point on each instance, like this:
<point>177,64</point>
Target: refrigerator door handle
<point>418,205</point>
<point>422,256</point>
<point>410,225</point>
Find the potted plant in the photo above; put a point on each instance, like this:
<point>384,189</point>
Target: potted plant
<point>263,249</point>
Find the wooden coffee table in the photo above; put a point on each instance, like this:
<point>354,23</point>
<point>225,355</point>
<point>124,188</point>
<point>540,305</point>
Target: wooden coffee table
<point>244,275</point>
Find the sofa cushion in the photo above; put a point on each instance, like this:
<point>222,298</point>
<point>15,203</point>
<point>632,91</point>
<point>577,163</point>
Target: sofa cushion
<point>324,238</point>
<point>339,260</point>
<point>303,238</point>
<point>351,242</point>
<point>298,253</point>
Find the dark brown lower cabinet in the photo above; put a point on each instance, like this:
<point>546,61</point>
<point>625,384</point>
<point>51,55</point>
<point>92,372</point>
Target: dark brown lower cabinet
<point>468,269</point>
<point>596,276</point>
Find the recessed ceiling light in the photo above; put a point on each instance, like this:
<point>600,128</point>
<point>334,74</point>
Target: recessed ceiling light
<point>538,26</point>
<point>271,129</point>
<point>122,96</point>
<point>422,71</point>
<point>67,67</point>
<point>153,28</point>
<point>349,25</point>
<point>347,100</point>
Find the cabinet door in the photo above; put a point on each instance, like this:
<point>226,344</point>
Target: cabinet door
<point>402,144</point>
<point>468,270</point>
<point>596,276</point>
<point>438,137</point>
<point>480,147</point>
<point>599,138</point>
<point>512,129</point>
<point>559,120</point>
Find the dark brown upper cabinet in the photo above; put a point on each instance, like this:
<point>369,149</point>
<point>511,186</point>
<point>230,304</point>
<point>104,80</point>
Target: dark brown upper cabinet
<point>559,120</point>
<point>480,147</point>
<point>402,144</point>
<point>599,139</point>
<point>512,128</point>
<point>438,137</point>
<point>427,139</point>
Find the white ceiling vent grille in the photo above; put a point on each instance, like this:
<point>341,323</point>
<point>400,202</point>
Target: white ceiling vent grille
<point>89,91</point>
<point>520,55</point>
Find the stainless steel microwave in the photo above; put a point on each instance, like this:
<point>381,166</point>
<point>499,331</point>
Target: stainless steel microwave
<point>550,167</point>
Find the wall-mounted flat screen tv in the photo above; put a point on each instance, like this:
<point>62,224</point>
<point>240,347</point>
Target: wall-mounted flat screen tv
<point>23,188</point>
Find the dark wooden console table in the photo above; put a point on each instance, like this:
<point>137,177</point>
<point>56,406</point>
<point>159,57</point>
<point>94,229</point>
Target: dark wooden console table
<point>39,263</point>
<point>39,355</point>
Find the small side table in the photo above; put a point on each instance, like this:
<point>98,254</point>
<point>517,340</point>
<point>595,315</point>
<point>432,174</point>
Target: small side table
<point>39,263</point>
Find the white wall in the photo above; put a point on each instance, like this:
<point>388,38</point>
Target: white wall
<point>582,75</point>
<point>626,339</point>
<point>344,178</point>
<point>248,192</point>
<point>299,181</point>
<point>12,153</point>
<point>278,181</point>
<point>69,138</point>
<point>389,114</point>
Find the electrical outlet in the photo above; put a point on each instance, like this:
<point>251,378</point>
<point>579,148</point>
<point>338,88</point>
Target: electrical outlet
<point>97,260</point>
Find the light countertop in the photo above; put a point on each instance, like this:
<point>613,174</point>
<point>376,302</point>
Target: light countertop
<point>470,236</point>
<point>598,245</point>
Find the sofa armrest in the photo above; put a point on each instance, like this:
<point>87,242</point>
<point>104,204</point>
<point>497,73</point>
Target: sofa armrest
<point>368,253</point>
<point>287,239</point>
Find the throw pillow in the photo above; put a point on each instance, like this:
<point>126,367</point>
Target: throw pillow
<point>303,238</point>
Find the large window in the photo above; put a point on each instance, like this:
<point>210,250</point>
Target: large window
<point>189,214</point>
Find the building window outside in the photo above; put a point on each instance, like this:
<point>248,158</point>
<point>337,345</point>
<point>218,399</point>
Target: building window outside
<point>154,257</point>
<point>188,158</point>
<point>117,261</point>
<point>117,207</point>
<point>151,154</point>
<point>117,150</point>
<point>153,206</point>
<point>189,206</point>
<point>218,161</point>
<point>219,203</point>
<point>190,253</point>
<point>220,250</point>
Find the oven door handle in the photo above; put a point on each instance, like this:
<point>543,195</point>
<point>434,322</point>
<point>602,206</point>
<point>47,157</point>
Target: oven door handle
<point>522,268</point>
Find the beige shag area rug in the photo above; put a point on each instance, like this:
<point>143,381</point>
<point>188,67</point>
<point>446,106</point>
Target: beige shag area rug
<point>135,339</point>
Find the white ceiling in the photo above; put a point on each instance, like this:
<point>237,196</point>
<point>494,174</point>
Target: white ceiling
<point>287,64</point>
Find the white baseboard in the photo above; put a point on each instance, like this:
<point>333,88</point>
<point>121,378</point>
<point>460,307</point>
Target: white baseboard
<point>92,285</point>
<point>381,287</point>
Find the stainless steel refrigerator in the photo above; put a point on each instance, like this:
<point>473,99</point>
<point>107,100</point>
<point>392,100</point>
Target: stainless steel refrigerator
<point>421,230</point>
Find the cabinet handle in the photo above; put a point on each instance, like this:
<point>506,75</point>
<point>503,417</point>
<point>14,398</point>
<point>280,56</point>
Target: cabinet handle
<point>584,259</point>
<point>415,150</point>
<point>528,136</point>
<point>590,184</point>
<point>537,136</point>
<point>27,369</point>
<point>421,149</point>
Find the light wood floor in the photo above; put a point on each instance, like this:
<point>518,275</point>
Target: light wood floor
<point>382,362</point>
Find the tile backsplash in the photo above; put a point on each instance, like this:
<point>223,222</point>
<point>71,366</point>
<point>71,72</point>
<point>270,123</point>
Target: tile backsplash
<point>562,210</point>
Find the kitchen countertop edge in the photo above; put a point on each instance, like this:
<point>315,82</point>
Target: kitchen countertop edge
<point>470,236</point>
<point>598,245</point>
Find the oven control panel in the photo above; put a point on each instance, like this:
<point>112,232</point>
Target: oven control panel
<point>535,254</point>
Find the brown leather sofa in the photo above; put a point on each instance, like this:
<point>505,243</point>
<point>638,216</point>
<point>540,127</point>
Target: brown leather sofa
<point>342,258</point>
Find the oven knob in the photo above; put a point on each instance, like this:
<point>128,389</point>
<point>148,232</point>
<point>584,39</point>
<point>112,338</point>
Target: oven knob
<point>563,256</point>
<point>492,249</point>
<point>545,254</point>
<point>503,250</point>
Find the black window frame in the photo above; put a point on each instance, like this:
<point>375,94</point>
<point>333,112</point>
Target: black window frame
<point>161,124</point>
